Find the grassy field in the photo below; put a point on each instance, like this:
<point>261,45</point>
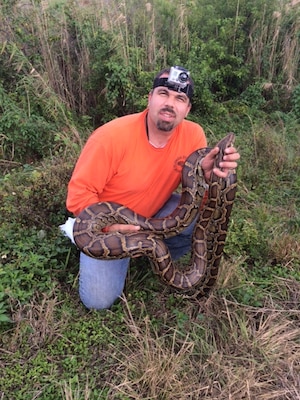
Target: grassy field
<point>158,347</point>
<point>243,342</point>
<point>68,66</point>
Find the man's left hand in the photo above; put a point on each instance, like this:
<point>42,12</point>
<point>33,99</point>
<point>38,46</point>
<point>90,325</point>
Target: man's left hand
<point>228,162</point>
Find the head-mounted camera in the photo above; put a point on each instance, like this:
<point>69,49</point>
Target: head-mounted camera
<point>178,81</point>
<point>178,78</point>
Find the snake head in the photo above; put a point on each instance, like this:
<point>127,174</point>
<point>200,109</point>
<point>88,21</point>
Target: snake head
<point>227,141</point>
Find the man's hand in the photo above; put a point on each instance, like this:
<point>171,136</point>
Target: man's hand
<point>124,228</point>
<point>229,162</point>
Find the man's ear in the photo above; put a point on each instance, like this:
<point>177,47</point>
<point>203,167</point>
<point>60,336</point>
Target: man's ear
<point>149,96</point>
<point>189,109</point>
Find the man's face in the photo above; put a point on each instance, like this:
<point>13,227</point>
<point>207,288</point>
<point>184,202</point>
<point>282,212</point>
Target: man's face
<point>167,108</point>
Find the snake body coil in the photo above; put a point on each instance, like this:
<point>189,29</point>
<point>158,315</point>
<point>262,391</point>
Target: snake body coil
<point>208,238</point>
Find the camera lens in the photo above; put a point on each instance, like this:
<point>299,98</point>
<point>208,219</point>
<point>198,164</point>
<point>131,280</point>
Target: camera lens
<point>183,77</point>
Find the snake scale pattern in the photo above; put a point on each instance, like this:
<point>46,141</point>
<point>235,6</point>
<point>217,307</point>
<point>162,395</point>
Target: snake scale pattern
<point>209,235</point>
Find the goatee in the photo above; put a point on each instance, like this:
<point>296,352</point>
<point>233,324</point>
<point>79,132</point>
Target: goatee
<point>164,126</point>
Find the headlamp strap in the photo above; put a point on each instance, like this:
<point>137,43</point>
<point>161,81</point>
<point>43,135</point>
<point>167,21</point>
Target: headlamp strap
<point>188,90</point>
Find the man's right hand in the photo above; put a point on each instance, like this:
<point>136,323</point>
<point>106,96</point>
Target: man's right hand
<point>123,228</point>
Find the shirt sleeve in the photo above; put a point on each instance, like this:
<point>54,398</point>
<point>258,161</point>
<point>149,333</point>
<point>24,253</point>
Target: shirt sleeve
<point>93,169</point>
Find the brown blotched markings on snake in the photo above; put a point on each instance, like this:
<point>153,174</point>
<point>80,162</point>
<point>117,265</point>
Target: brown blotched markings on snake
<point>208,238</point>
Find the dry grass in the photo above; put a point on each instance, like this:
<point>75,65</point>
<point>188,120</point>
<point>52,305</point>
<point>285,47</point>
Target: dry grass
<point>36,323</point>
<point>267,33</point>
<point>230,352</point>
<point>68,392</point>
<point>285,250</point>
<point>226,351</point>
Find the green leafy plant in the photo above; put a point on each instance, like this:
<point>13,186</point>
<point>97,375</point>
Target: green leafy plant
<point>4,312</point>
<point>296,101</point>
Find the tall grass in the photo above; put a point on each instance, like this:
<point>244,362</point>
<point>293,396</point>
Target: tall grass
<point>144,33</point>
<point>274,44</point>
<point>229,351</point>
<point>75,65</point>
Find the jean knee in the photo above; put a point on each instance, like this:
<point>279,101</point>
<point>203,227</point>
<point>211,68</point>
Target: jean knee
<point>101,282</point>
<point>97,302</point>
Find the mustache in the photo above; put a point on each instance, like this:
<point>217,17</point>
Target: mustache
<point>169,110</point>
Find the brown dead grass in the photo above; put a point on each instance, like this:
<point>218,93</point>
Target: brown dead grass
<point>225,351</point>
<point>230,352</point>
<point>36,323</point>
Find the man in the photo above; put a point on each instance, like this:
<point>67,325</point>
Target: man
<point>136,161</point>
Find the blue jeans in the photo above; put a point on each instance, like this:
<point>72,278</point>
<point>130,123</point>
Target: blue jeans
<point>101,282</point>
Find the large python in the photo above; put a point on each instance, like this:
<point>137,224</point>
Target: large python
<point>209,234</point>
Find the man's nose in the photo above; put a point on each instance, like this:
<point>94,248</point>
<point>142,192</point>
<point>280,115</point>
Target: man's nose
<point>170,101</point>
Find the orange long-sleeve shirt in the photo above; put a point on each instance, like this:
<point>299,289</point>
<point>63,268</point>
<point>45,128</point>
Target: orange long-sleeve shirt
<point>119,164</point>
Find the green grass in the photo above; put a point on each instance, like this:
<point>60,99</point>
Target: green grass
<point>243,342</point>
<point>162,347</point>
